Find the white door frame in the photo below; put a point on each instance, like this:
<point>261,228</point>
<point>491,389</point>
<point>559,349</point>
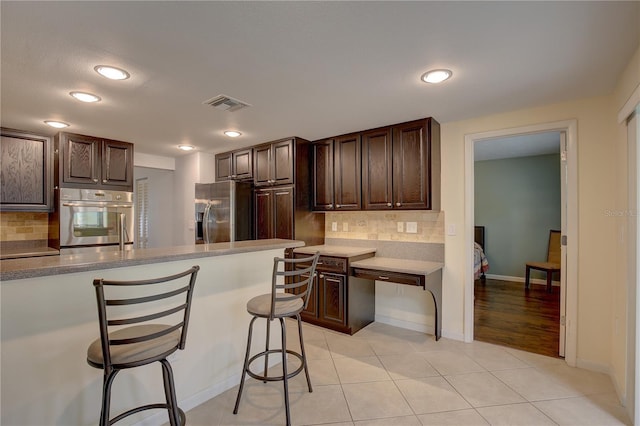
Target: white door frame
<point>570,127</point>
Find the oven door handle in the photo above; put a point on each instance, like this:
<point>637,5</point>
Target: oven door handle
<point>123,206</point>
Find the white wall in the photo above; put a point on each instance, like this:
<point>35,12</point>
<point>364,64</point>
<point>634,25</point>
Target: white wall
<point>49,322</point>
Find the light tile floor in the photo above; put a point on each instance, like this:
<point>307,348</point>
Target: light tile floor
<point>387,376</point>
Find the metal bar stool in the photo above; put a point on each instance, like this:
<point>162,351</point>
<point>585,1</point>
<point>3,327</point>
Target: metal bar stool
<point>143,341</point>
<point>295,277</point>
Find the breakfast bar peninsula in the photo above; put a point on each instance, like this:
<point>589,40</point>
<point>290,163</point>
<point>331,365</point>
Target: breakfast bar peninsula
<point>49,317</point>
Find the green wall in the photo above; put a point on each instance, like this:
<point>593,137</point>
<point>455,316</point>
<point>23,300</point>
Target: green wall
<point>518,202</point>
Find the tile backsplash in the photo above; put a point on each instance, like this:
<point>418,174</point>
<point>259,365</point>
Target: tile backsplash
<point>23,226</point>
<point>383,225</point>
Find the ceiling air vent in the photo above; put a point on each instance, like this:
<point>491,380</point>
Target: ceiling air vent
<point>226,103</point>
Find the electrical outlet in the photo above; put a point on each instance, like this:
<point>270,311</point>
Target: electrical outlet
<point>334,226</point>
<point>345,226</point>
<point>451,229</point>
<point>412,227</point>
<point>400,226</point>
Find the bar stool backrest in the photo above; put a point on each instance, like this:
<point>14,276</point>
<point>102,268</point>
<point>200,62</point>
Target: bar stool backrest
<point>166,298</point>
<point>295,277</point>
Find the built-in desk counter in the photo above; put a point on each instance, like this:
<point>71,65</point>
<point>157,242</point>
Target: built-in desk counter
<point>425,274</point>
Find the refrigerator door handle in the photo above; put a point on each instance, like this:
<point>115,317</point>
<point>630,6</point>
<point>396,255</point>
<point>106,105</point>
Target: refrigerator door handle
<point>205,223</point>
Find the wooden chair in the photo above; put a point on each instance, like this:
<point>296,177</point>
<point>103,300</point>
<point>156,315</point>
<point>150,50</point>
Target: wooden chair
<point>553,260</point>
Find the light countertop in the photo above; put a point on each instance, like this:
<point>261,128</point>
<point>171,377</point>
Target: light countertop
<point>335,250</point>
<point>13,269</point>
<point>417,267</point>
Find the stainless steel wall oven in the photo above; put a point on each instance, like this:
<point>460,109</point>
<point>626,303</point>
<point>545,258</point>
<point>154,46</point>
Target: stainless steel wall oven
<point>90,217</point>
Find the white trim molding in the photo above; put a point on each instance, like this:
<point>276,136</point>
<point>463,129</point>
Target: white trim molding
<point>570,127</point>
<point>629,106</point>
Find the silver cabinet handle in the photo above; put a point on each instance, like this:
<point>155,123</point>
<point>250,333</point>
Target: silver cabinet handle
<point>398,204</point>
<point>382,277</point>
<point>389,204</point>
<point>104,181</point>
<point>330,206</point>
<point>338,206</point>
<point>95,180</point>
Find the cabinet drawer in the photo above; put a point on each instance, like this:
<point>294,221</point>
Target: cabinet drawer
<point>395,277</point>
<point>328,263</point>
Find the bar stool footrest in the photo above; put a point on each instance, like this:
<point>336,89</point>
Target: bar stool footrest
<point>183,417</point>
<point>274,378</point>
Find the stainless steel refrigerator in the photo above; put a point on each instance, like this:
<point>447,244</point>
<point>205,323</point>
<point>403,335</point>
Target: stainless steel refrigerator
<point>224,212</point>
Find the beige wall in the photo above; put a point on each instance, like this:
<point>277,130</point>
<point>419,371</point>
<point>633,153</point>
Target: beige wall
<point>596,247</point>
<point>601,188</point>
<point>629,82</point>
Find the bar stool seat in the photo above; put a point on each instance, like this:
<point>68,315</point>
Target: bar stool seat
<point>142,341</point>
<point>298,276</point>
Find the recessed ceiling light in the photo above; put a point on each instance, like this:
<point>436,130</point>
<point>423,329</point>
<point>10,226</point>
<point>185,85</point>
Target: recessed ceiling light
<point>186,147</point>
<point>56,124</point>
<point>85,97</point>
<point>436,76</point>
<point>232,133</point>
<point>112,73</point>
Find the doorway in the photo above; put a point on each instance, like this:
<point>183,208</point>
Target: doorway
<point>569,227</point>
<point>518,201</point>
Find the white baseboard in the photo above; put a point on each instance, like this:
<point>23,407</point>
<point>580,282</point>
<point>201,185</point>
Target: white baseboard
<point>521,279</point>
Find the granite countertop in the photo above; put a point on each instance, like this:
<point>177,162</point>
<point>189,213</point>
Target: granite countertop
<point>16,253</point>
<point>13,269</point>
<point>418,267</point>
<point>335,250</point>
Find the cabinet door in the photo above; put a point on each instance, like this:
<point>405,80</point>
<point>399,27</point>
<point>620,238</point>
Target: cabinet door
<point>26,171</point>
<point>311,311</point>
<point>347,172</point>
<point>332,293</point>
<point>223,166</point>
<point>322,169</point>
<point>242,163</point>
<point>411,164</point>
<point>117,163</point>
<point>377,167</point>
<point>283,158</point>
<point>283,213</point>
<point>81,162</point>
<point>264,214</point>
<point>262,174</point>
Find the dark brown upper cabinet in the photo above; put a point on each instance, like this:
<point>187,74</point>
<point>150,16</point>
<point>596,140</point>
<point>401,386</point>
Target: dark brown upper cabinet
<point>337,174</point>
<point>91,162</point>
<point>274,163</point>
<point>401,166</point>
<point>27,172</point>
<point>234,165</point>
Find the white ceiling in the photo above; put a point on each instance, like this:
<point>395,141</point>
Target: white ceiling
<point>310,69</point>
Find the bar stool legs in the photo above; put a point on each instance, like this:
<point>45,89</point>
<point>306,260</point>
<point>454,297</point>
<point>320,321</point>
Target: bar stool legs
<point>286,375</point>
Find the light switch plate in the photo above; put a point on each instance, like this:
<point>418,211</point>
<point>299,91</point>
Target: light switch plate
<point>345,226</point>
<point>334,226</point>
<point>400,226</point>
<point>412,227</point>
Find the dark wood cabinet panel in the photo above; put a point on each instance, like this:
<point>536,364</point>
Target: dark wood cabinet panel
<point>338,301</point>
<point>264,214</point>
<point>274,163</point>
<point>337,174</point>
<point>283,213</point>
<point>411,162</point>
<point>332,291</point>
<point>81,159</point>
<point>234,165</point>
<point>242,163</point>
<point>91,162</point>
<point>26,171</point>
<point>117,163</point>
<point>223,166</point>
<point>274,213</point>
<point>322,168</point>
<point>377,177</point>
<point>347,172</point>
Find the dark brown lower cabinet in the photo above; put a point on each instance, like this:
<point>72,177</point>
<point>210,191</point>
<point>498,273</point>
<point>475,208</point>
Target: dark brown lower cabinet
<point>339,302</point>
<point>274,213</point>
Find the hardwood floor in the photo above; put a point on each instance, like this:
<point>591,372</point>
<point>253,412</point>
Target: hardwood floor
<point>506,314</point>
